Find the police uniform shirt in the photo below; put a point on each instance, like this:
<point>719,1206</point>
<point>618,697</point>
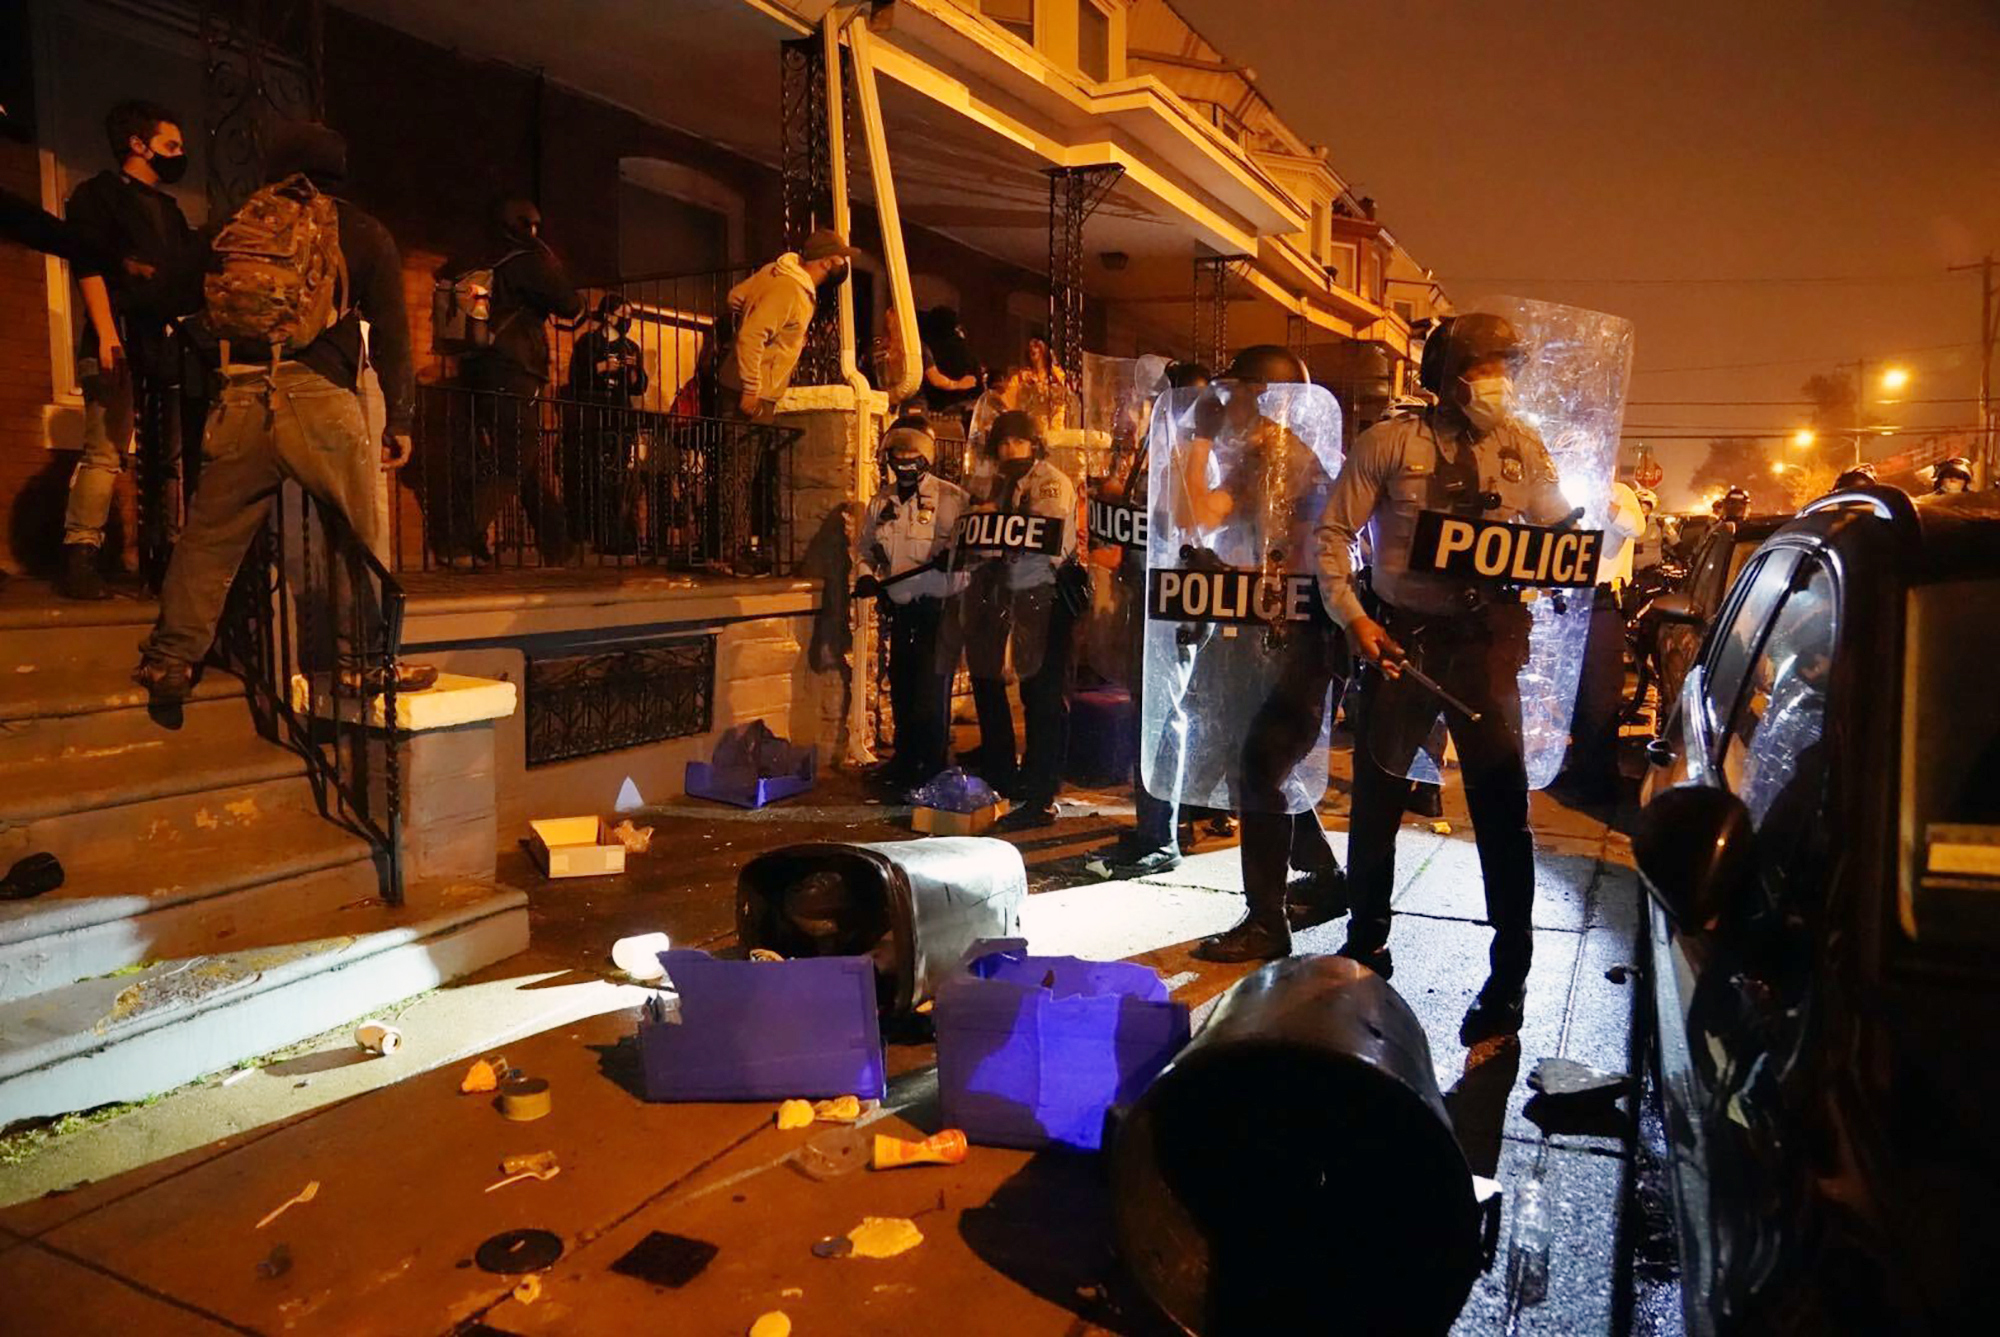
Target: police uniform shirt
<point>1625,522</point>
<point>1043,490</point>
<point>1390,475</point>
<point>912,533</point>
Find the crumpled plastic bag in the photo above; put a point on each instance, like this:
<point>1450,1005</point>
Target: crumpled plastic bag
<point>754,750</point>
<point>636,839</point>
<point>954,790</point>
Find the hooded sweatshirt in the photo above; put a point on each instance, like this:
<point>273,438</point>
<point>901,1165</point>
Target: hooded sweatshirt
<point>772,309</point>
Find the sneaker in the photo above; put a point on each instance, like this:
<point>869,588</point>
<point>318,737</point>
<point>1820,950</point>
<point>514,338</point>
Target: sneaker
<point>80,577</point>
<point>1378,959</point>
<point>1496,1011</point>
<point>1251,940</point>
<point>1161,860</point>
<point>1319,899</point>
<point>409,678</point>
<point>168,682</point>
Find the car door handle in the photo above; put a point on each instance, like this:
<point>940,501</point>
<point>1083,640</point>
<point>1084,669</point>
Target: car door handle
<point>1659,752</point>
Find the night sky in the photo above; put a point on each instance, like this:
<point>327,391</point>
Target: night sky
<point>1617,140</point>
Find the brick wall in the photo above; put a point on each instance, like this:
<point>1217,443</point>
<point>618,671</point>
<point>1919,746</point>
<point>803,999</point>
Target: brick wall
<point>33,480</point>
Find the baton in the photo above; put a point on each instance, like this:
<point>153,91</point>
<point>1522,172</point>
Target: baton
<point>1436,689</point>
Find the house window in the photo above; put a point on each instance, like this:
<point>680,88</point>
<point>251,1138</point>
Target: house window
<point>619,696</point>
<point>1016,16</point>
<point>1093,41</point>
<point>1316,243</point>
<point>1407,311</point>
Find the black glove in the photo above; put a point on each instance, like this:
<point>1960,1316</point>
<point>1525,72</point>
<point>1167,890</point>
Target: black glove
<point>867,587</point>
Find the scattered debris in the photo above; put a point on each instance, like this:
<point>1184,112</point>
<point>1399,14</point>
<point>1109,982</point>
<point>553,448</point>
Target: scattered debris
<point>884,1236</point>
<point>635,839</point>
<point>306,1194</point>
<point>514,1252</point>
<point>840,1109</point>
<point>795,1114</point>
<point>1621,973</point>
<point>31,876</point>
<point>529,1290</point>
<point>276,1263</point>
<point>524,1099</point>
<point>765,955</point>
<point>833,1246</point>
<point>629,799</point>
<point>378,1037</point>
<point>945,1148</point>
<point>484,1075</point>
<point>575,847</point>
<point>1562,1078</point>
<point>792,1293</point>
<point>237,1076</point>
<point>545,1170</point>
<point>832,1154</point>
<point>639,956</point>
<point>1441,827</point>
<point>666,1260</point>
<point>750,767</point>
<point>533,1161</point>
<point>774,1324</point>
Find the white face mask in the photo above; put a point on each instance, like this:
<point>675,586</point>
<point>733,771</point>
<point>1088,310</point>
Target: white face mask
<point>1488,401</point>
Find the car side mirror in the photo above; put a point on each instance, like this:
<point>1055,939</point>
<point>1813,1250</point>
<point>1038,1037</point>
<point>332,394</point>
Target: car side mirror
<point>1675,606</point>
<point>1697,852</point>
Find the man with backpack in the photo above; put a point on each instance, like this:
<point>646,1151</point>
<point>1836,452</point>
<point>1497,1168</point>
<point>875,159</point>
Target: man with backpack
<point>510,371</point>
<point>127,352</point>
<point>295,273</point>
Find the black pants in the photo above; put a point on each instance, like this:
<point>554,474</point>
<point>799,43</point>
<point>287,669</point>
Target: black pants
<point>917,690</point>
<point>506,455</point>
<point>1592,764</point>
<point>1282,733</point>
<point>1045,706</point>
<point>1476,657</point>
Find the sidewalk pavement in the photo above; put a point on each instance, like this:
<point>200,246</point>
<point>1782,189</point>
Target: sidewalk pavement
<point>1015,1244</point>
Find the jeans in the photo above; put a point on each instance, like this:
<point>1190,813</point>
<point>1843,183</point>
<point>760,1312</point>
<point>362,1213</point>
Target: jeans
<point>107,441</point>
<point>269,428</point>
<point>1475,656</point>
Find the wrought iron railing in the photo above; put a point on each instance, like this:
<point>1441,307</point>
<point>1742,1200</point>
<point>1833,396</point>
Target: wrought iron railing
<point>314,627</point>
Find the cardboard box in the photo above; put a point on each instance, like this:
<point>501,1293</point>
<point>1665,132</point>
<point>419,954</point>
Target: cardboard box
<point>1034,1051</point>
<point>576,847</point>
<point>764,1030</point>
<point>939,822</point>
<point>745,790</point>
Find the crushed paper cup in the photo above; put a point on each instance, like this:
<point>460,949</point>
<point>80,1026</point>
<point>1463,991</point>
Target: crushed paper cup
<point>946,1148</point>
<point>639,956</point>
<point>378,1037</point>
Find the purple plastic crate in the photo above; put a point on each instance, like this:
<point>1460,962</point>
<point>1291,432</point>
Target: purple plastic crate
<point>1103,742</point>
<point>765,1030</point>
<point>1022,1063</point>
<point>739,787</point>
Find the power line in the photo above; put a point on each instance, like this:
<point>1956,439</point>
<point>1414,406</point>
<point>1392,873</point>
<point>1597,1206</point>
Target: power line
<point>1859,279</point>
<point>1795,361</point>
<point>1769,403</point>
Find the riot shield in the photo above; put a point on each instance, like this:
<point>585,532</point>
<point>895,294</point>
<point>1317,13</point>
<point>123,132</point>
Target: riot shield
<point>992,623</point>
<point>1238,475</point>
<point>1569,389</point>
<point>1118,396</point>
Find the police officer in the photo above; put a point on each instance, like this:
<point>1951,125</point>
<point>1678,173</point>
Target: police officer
<point>1011,600</point>
<point>1312,659</point>
<point>1470,455</point>
<point>1861,475</point>
<point>904,536</point>
<point>1590,771</point>
<point>1735,503</point>
<point>1952,475</point>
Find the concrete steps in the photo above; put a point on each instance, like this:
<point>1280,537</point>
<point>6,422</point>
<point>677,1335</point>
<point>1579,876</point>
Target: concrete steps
<point>129,1036</point>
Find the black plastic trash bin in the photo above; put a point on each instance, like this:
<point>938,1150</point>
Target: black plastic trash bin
<point>914,905</point>
<point>1294,1170</point>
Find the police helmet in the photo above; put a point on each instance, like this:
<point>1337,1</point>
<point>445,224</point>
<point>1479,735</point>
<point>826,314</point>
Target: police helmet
<point>1647,498</point>
<point>1014,425</point>
<point>908,443</point>
<point>1181,375</point>
<point>1268,364</point>
<point>1735,504</point>
<point>1458,342</point>
<point>1861,475</point>
<point>1955,467</point>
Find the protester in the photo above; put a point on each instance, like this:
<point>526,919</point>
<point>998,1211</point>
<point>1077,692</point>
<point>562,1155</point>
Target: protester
<point>607,374</point>
<point>905,536</point>
<point>959,374</point>
<point>771,310</point>
<point>293,413</point>
<point>510,375</point>
<point>1590,771</point>
<point>1041,368</point>
<point>128,351</point>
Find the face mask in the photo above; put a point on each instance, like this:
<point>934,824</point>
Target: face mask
<point>1487,401</point>
<point>170,169</point>
<point>621,324</point>
<point>907,474</point>
<point>1014,470</point>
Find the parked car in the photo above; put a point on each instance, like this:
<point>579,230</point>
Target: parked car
<point>1671,626</point>
<point>1821,850</point>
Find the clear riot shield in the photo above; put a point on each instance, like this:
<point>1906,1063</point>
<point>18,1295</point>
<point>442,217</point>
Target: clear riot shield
<point>1569,389</point>
<point>1118,397</point>
<point>1238,477</point>
<point>991,621</point>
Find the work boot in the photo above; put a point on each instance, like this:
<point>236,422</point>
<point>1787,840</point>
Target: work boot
<point>1496,1011</point>
<point>1425,801</point>
<point>1319,899</point>
<point>1030,815</point>
<point>168,682</point>
<point>80,578</point>
<point>1256,938</point>
<point>1375,955</point>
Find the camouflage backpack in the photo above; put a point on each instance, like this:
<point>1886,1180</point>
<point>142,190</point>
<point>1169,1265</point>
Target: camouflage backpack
<point>283,279</point>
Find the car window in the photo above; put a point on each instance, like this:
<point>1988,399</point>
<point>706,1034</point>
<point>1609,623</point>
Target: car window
<point>1758,592</point>
<point>1710,580</point>
<point>1771,755</point>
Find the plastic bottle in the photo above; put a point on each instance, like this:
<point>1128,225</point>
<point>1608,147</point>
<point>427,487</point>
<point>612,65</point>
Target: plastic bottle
<point>1528,1244</point>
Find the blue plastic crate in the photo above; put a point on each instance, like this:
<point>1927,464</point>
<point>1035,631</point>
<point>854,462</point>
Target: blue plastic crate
<point>764,1030</point>
<point>1027,1063</point>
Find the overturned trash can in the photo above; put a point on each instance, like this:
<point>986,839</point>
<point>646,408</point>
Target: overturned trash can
<point>1294,1169</point>
<point>913,906</point>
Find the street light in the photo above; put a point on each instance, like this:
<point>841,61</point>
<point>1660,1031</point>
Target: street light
<point>1895,378</point>
<point>1778,469</point>
<point>1805,436</point>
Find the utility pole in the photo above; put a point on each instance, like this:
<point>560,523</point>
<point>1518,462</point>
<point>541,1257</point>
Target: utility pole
<point>1987,470</point>
<point>1860,366</point>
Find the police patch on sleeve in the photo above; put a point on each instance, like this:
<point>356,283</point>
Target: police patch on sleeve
<point>1470,548</point>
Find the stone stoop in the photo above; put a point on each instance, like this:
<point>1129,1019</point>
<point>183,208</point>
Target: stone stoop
<point>198,857</point>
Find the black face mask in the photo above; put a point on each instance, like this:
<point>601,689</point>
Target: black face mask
<point>620,325</point>
<point>1015,470</point>
<point>907,474</point>
<point>170,169</point>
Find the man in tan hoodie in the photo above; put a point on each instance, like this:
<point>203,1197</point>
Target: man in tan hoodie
<point>771,310</point>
